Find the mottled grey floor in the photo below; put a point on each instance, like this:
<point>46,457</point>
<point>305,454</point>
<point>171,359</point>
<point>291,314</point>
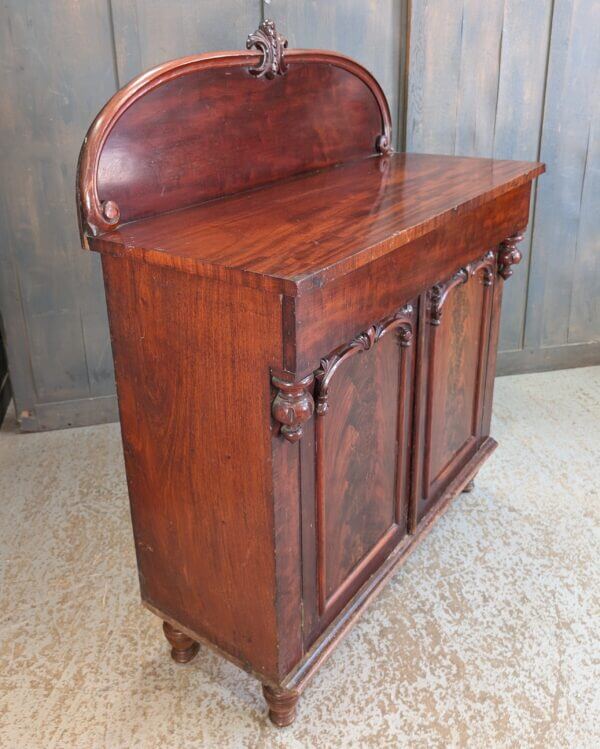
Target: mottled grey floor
<point>487,637</point>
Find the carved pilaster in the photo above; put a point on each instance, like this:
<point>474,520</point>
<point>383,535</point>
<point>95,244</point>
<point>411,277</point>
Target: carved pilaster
<point>363,342</point>
<point>273,46</point>
<point>292,406</point>
<point>509,255</point>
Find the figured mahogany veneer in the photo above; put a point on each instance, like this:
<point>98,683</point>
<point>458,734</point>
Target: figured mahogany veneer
<point>304,328</point>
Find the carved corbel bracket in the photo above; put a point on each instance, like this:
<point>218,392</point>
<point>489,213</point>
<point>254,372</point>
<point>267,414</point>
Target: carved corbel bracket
<point>273,46</point>
<point>363,342</point>
<point>439,293</point>
<point>488,265</point>
<point>292,406</point>
<point>509,255</point>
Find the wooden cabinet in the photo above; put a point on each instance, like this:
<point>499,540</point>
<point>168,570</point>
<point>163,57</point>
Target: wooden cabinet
<point>304,327</point>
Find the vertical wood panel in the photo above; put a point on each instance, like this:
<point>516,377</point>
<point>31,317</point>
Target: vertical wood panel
<point>480,85</point>
<point>433,75</point>
<point>54,75</point>
<point>59,66</point>
<point>148,32</point>
<point>373,33</point>
<point>584,320</point>
<point>566,218</point>
<point>519,112</point>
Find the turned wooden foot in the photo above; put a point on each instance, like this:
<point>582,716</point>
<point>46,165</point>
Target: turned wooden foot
<point>183,648</point>
<point>470,486</point>
<point>282,705</point>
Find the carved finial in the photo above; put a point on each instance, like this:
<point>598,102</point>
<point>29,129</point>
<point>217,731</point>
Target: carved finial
<point>272,45</point>
<point>292,406</point>
<point>509,255</point>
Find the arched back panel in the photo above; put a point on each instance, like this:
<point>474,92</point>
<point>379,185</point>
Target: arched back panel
<point>201,127</point>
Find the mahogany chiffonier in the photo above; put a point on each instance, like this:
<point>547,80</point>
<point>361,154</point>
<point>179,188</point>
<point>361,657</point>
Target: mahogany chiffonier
<point>304,326</point>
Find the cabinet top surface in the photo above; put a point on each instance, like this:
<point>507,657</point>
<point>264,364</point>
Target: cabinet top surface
<point>300,233</point>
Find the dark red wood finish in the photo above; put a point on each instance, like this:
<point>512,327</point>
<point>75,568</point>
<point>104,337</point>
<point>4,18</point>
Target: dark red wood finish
<point>305,368</point>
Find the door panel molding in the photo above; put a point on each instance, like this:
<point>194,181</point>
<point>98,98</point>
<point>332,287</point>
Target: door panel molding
<point>329,602</point>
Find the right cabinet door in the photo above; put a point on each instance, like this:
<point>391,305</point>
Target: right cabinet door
<point>455,322</point>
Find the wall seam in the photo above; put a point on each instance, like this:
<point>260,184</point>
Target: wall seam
<point>535,187</point>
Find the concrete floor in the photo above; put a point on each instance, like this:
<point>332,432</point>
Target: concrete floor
<point>487,637</point>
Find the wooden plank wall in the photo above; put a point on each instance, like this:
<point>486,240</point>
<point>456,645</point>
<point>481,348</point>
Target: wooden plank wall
<point>60,62</point>
<point>521,79</point>
<point>374,33</point>
<point>509,78</point>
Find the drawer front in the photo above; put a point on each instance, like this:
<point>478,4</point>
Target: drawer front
<point>336,312</point>
<point>454,338</point>
<point>355,465</point>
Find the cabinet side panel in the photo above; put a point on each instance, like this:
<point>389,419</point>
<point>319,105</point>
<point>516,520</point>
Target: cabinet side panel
<point>192,364</point>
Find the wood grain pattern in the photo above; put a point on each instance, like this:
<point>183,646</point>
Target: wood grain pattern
<point>451,379</point>
<point>348,304</point>
<point>350,216</point>
<point>165,326</point>
<point>201,127</point>
<point>361,443</point>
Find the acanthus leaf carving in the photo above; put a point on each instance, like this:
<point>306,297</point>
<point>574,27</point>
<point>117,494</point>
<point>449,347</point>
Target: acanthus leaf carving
<point>273,46</point>
<point>400,320</point>
<point>509,255</point>
<point>292,406</point>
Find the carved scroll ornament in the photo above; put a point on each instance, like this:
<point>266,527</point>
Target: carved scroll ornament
<point>363,342</point>
<point>439,293</point>
<point>293,405</point>
<point>509,255</point>
<point>273,46</point>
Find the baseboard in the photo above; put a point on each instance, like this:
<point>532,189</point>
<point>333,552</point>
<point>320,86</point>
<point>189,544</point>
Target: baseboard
<point>74,413</point>
<point>566,356</point>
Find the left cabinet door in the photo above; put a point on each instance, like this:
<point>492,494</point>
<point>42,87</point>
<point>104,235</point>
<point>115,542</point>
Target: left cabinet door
<point>355,465</point>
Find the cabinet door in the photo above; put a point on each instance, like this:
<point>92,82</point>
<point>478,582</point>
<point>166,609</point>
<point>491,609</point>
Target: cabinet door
<point>355,465</point>
<point>454,334</point>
